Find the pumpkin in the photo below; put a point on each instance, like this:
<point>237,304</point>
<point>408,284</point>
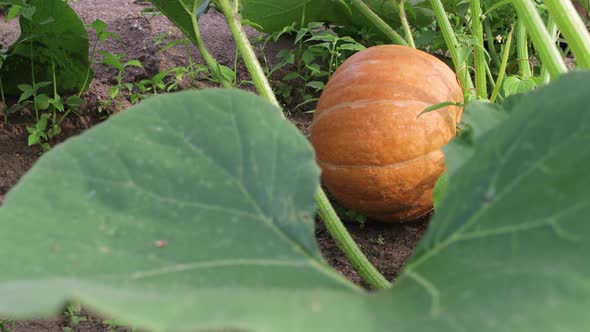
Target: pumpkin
<point>379,155</point>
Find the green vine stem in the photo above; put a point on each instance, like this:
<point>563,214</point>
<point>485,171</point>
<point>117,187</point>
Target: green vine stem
<point>490,41</point>
<point>378,22</point>
<point>505,56</point>
<point>207,57</point>
<point>522,50</point>
<point>553,32</point>
<point>454,48</point>
<point>89,71</point>
<point>481,88</point>
<point>246,50</point>
<point>573,29</point>
<point>333,223</point>
<point>347,244</point>
<point>406,25</point>
<point>548,52</point>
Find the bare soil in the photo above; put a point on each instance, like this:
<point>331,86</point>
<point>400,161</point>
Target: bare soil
<point>387,246</point>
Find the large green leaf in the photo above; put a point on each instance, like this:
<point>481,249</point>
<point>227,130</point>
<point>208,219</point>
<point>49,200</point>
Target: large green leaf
<point>54,35</point>
<point>180,13</point>
<point>507,250</point>
<point>273,15</point>
<point>229,187</point>
<point>168,212</point>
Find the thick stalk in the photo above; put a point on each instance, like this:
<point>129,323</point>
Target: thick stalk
<point>345,242</point>
<point>246,50</point>
<point>490,40</point>
<point>491,77</point>
<point>573,29</point>
<point>207,57</point>
<point>378,22</point>
<point>553,32</point>
<point>333,223</point>
<point>522,50</point>
<point>481,88</point>
<point>405,23</point>
<point>454,48</point>
<point>546,48</point>
<point>505,55</point>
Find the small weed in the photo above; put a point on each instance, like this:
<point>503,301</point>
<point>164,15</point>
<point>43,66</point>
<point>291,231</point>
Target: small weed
<point>113,325</point>
<point>362,220</point>
<point>380,240</point>
<point>116,61</point>
<point>319,51</point>
<point>73,311</point>
<point>5,324</point>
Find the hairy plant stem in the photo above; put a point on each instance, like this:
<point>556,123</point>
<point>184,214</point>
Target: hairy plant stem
<point>490,41</point>
<point>89,71</point>
<point>55,95</point>
<point>573,29</point>
<point>345,242</point>
<point>548,52</point>
<point>454,48</point>
<point>247,51</point>
<point>522,50</point>
<point>378,22</point>
<point>553,32</point>
<point>502,72</point>
<point>406,25</point>
<point>481,88</point>
<point>207,57</point>
<point>333,223</point>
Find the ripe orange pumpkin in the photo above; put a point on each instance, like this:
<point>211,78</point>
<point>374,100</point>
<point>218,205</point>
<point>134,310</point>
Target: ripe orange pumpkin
<point>377,155</point>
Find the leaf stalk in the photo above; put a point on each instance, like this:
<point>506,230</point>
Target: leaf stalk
<point>327,213</point>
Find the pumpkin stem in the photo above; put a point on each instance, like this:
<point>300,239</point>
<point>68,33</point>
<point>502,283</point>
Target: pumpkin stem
<point>347,244</point>
<point>455,49</point>
<point>481,88</point>
<point>378,22</point>
<point>544,44</point>
<point>404,18</point>
<point>333,223</point>
<point>573,29</point>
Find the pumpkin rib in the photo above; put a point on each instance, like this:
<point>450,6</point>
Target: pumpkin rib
<point>364,103</point>
<point>397,165</point>
<point>430,96</point>
<point>358,63</point>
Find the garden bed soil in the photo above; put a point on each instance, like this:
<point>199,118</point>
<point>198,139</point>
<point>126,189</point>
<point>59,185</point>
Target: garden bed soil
<point>387,246</point>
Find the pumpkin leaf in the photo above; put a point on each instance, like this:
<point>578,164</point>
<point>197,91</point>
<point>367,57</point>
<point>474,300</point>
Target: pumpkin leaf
<point>198,197</point>
<point>514,85</point>
<point>478,118</point>
<point>507,246</point>
<point>52,34</point>
<point>180,13</point>
<point>192,212</point>
<point>273,15</point>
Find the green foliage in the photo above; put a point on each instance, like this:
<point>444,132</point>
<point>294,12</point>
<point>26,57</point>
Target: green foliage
<point>180,12</point>
<point>271,16</point>
<point>317,53</point>
<point>514,85</point>
<point>73,312</point>
<point>227,185</point>
<point>53,40</point>
<point>5,325</point>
